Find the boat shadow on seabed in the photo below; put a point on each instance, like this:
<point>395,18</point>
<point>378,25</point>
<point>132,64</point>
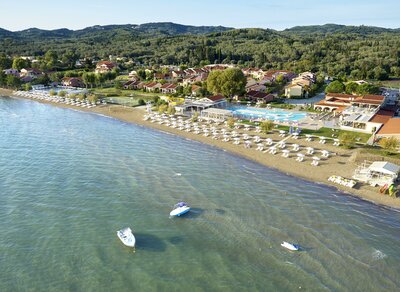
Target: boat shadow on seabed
<point>149,242</point>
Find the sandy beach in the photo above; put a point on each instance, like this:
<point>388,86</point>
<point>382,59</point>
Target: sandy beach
<point>343,162</point>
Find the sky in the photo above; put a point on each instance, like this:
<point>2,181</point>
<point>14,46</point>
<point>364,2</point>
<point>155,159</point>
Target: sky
<point>275,14</point>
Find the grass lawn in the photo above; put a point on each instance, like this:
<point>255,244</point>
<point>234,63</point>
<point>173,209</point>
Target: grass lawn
<point>323,132</point>
<point>327,132</point>
<point>395,83</point>
<point>123,96</point>
<point>381,152</point>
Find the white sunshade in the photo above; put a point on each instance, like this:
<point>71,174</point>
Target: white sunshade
<point>384,167</point>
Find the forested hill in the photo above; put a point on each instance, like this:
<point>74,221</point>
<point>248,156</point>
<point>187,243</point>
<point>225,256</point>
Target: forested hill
<point>360,52</point>
<point>154,29</point>
<point>337,28</point>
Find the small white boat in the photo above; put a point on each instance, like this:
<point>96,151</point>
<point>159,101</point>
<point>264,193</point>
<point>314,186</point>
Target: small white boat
<point>290,246</point>
<point>126,237</point>
<point>180,209</point>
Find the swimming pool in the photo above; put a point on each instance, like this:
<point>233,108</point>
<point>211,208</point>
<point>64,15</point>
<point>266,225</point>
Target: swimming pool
<point>269,114</point>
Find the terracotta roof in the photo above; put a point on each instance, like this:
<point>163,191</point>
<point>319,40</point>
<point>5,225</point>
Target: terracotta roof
<point>382,117</point>
<point>341,95</point>
<point>373,97</point>
<point>257,94</point>
<point>151,84</point>
<point>108,64</point>
<point>216,97</point>
<point>168,85</point>
<point>375,102</point>
<point>195,87</point>
<point>391,127</point>
<point>332,104</point>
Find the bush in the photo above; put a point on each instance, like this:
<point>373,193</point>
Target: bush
<point>389,144</point>
<point>141,102</point>
<point>267,126</point>
<point>231,122</point>
<point>348,140</point>
<point>62,93</point>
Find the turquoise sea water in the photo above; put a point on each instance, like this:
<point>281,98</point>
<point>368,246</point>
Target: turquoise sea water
<point>70,180</point>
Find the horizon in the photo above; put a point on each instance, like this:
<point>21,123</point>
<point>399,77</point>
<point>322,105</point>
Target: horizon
<point>241,14</point>
<point>205,25</point>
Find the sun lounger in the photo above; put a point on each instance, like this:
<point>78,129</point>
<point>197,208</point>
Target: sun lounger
<point>300,157</point>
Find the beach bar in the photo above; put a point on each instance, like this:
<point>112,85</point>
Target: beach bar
<point>216,114</point>
<point>377,173</point>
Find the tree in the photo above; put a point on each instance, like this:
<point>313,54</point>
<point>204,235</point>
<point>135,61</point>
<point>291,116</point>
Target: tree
<point>267,126</point>
<point>347,139</point>
<point>228,82</point>
<point>335,87</point>
<point>89,79</point>
<point>142,74</point>
<point>351,87</point>
<point>380,74</point>
<point>100,79</point>
<point>280,79</point>
<point>50,59</point>
<point>214,80</point>
<point>389,144</point>
<point>13,81</point>
<point>27,86</point>
<point>5,62</point>
<point>3,78</point>
<point>368,89</point>
<point>19,63</point>
<point>69,58</point>
<point>233,82</point>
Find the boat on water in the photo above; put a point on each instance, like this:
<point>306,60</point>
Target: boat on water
<point>290,246</point>
<point>180,209</point>
<point>127,237</point>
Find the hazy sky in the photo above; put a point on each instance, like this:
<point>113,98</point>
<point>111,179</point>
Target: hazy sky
<point>276,14</point>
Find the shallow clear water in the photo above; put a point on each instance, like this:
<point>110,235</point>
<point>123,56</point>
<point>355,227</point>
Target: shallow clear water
<point>70,180</point>
<point>269,114</point>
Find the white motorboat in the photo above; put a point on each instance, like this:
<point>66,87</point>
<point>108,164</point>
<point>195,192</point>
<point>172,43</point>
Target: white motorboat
<point>127,237</point>
<point>180,209</point>
<point>290,246</point>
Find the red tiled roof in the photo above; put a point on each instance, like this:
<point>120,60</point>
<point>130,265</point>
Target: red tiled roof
<point>168,85</point>
<point>216,97</point>
<point>373,97</point>
<point>392,126</point>
<point>256,94</point>
<point>382,116</point>
<point>341,95</point>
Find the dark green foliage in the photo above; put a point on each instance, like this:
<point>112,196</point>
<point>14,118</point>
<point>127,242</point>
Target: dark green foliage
<point>351,87</point>
<point>368,89</point>
<point>337,50</point>
<point>335,87</point>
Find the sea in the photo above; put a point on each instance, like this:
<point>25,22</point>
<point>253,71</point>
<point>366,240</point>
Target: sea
<point>69,180</point>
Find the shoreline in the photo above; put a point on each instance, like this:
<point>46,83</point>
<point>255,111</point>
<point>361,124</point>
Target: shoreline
<point>339,164</point>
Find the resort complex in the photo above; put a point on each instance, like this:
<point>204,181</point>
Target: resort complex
<point>170,157</point>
